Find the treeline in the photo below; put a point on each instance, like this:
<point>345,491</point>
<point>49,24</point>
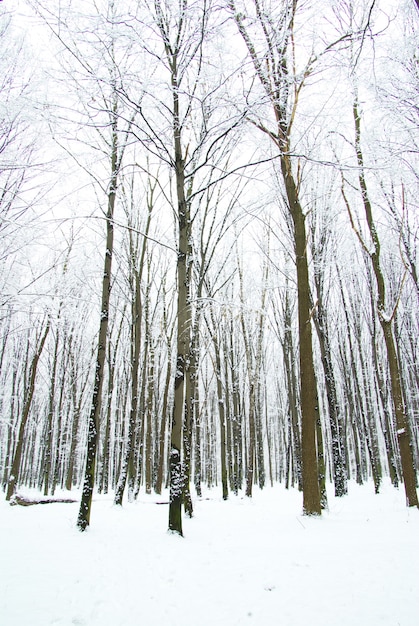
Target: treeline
<point>209,229</point>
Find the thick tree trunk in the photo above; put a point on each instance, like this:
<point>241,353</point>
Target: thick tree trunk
<point>184,321</point>
<point>308,396</point>
<point>276,82</point>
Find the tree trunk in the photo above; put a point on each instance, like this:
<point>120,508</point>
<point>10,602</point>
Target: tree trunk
<point>402,424</point>
<point>163,424</point>
<point>308,396</point>
<point>83,519</point>
<point>221,406</point>
<point>336,427</point>
<point>49,424</point>
<point>13,478</point>
<point>184,321</point>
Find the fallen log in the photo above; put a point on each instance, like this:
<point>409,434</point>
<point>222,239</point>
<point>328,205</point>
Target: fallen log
<point>23,501</point>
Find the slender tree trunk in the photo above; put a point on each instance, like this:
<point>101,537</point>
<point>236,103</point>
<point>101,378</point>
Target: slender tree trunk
<point>163,424</point>
<point>106,447</point>
<point>274,82</point>
<point>132,419</point>
<point>236,417</point>
<point>77,404</point>
<point>221,406</point>
<point>198,453</point>
<point>336,427</point>
<point>321,464</point>
<point>386,321</point>
<point>228,410</point>
<point>10,429</point>
<point>86,500</point>
<point>383,393</point>
<point>149,423</point>
<point>57,470</point>
<point>294,447</point>
<point>260,454</point>
<point>13,478</point>
<point>250,448</point>
<point>191,395</point>
<point>49,425</point>
<point>190,374</point>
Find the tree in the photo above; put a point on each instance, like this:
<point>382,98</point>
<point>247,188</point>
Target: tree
<point>20,159</point>
<point>13,478</point>
<point>269,54</point>
<point>137,249</point>
<point>320,243</point>
<point>199,129</point>
<point>99,109</point>
<point>385,315</point>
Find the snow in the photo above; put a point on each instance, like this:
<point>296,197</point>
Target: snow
<point>242,562</point>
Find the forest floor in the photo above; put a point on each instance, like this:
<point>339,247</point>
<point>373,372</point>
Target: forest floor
<point>242,562</point>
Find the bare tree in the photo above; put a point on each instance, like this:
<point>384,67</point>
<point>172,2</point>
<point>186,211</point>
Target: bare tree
<point>199,130</point>
<point>40,340</point>
<point>269,51</point>
<point>96,81</point>
<point>385,315</point>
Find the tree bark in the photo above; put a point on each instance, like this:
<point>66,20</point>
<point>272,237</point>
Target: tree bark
<point>274,82</point>
<point>386,321</point>
<point>184,321</point>
<point>308,398</point>
<point>83,519</point>
<point>13,478</point>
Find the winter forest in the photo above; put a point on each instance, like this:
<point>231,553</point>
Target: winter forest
<point>209,249</point>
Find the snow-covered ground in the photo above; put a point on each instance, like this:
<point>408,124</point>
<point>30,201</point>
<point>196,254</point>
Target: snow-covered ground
<point>242,562</point>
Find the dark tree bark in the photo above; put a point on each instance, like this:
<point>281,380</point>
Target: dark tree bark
<point>83,519</point>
